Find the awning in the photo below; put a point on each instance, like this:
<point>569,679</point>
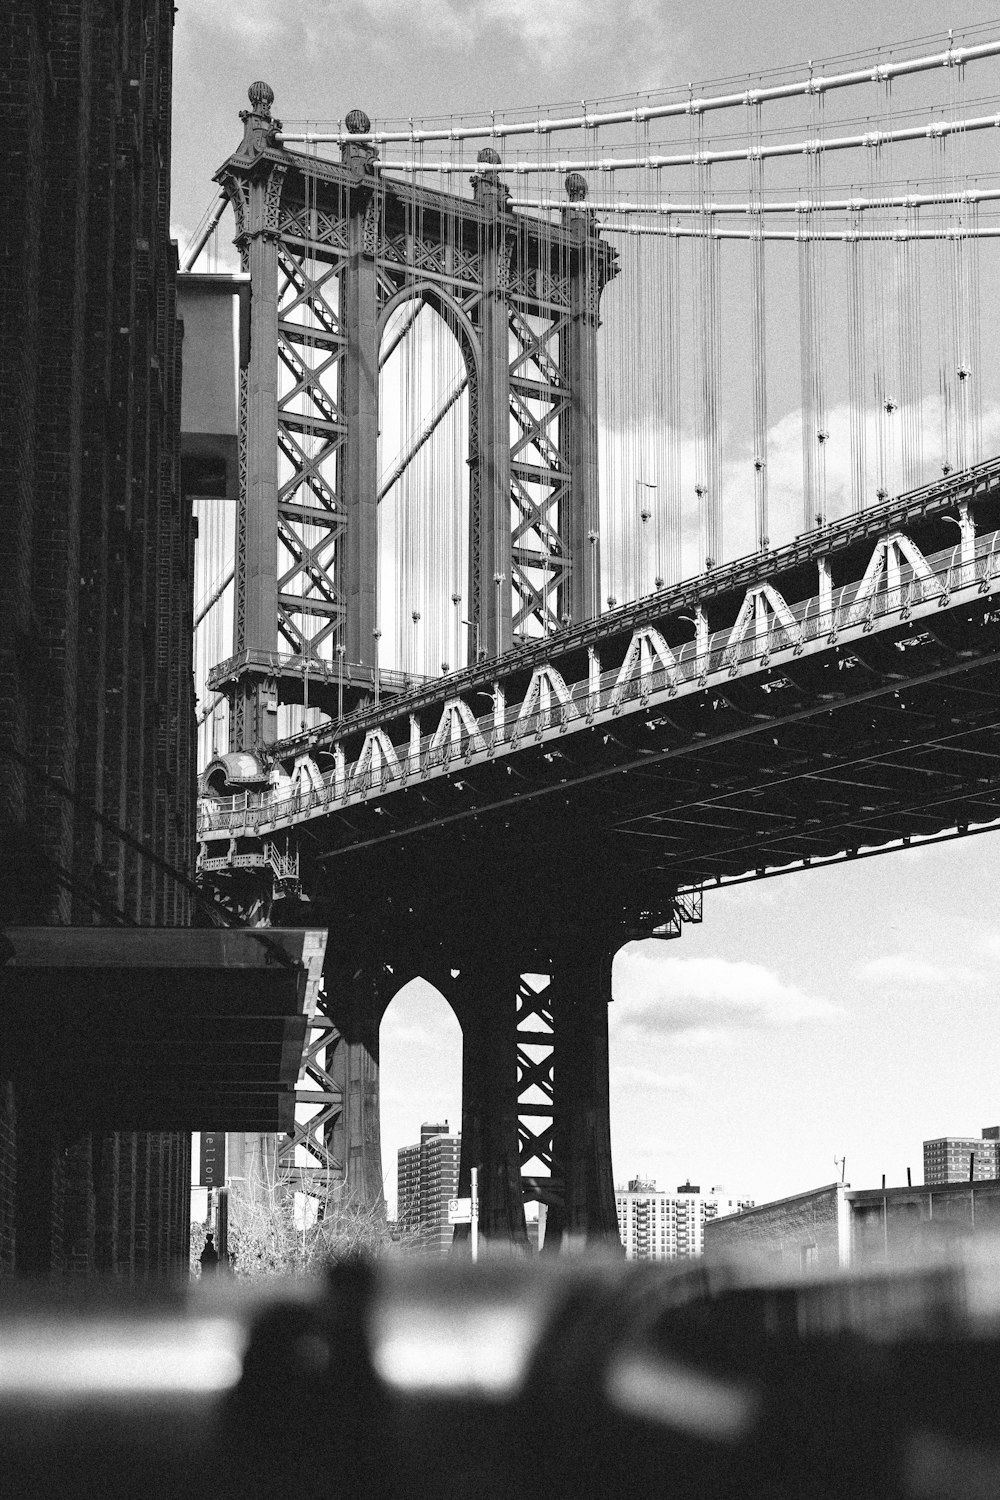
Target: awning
<point>159,1028</point>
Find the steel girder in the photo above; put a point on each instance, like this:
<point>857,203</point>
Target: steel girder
<point>689,760</point>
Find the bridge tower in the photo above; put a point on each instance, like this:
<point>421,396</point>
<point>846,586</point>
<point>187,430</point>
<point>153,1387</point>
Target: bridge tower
<point>333,251</point>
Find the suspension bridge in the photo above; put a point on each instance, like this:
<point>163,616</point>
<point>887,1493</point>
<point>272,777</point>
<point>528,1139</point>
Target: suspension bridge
<point>613,515</point>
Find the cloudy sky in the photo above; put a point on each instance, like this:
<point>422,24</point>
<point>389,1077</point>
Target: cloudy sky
<point>402,57</point>
<point>846,1012</point>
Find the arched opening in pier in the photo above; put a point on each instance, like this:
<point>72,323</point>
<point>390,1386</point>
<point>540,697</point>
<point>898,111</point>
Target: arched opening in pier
<point>420,1068</point>
<point>426,387</point>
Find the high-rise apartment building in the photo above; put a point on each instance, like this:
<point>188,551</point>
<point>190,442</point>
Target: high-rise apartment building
<point>669,1226</point>
<point>947,1158</point>
<point>427,1176</point>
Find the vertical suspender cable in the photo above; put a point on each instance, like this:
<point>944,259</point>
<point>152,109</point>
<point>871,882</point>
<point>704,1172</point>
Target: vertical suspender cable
<point>975,338</point>
<point>708,484</point>
<point>673,378</point>
<point>908,320</point>
<point>810,353</point>
<point>820,435</point>
<point>885,401</point>
<point>758,326</point>
<point>857,384</point>
<point>944,311</point>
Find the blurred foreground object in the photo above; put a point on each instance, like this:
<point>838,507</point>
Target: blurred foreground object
<point>576,1379</point>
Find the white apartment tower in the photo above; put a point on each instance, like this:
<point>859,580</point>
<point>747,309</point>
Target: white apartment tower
<point>669,1226</point>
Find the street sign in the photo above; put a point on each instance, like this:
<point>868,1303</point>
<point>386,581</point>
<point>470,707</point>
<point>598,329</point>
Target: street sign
<point>459,1210</point>
<point>213,1158</point>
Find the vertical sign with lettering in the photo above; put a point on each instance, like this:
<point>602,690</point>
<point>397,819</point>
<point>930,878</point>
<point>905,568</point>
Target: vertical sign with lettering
<point>213,1158</point>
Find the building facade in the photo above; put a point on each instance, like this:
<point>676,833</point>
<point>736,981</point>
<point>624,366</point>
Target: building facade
<point>836,1227</point>
<point>427,1176</point>
<point>96,701</point>
<point>656,1225</point>
<point>948,1158</point>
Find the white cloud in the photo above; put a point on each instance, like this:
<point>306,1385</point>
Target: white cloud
<point>990,945</point>
<point>905,970</point>
<point>634,1076</point>
<point>563,40</point>
<point>705,999</point>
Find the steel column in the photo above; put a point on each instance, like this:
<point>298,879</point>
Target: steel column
<point>255,620</point>
<point>579,362</point>
<point>581,1117</point>
<point>492,455</point>
<point>356,1007</point>
<point>359,320</point>
<point>486,1005</point>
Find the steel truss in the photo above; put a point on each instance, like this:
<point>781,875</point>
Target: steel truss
<point>333,250</point>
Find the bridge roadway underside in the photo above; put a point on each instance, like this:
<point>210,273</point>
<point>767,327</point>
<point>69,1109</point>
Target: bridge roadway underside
<point>884,739</point>
<point>549,859</point>
<point>722,786</point>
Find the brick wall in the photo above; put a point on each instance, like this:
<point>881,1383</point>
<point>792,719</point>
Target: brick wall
<point>879,1226</point>
<point>23,87</point>
<point>790,1235</point>
<point>108,1150</point>
<point>95,593</point>
<point>8,1175</point>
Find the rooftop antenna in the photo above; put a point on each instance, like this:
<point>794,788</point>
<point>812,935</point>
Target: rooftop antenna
<point>841,1162</point>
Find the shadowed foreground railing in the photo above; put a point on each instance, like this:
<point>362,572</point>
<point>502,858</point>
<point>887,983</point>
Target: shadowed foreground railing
<point>504,1379</point>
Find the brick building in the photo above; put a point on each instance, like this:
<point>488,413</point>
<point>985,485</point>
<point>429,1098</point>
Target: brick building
<point>835,1226</point>
<point>947,1158</point>
<point>427,1176</point>
<point>96,706</point>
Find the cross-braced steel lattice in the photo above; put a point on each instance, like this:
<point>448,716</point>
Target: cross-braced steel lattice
<point>535,1085</point>
<point>342,259</point>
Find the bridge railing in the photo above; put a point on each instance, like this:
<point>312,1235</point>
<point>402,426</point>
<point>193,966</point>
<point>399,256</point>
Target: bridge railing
<point>861,602</point>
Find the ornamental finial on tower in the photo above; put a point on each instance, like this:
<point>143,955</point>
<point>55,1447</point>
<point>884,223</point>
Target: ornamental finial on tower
<point>358,156</point>
<point>259,125</point>
<point>486,185</point>
<point>261,96</point>
<point>577,218</point>
<point>576,187</point>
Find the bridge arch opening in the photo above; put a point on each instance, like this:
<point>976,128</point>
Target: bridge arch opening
<point>420,1082</point>
<point>427,384</point>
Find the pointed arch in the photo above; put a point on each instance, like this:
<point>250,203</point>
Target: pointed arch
<point>458,722</point>
<point>763,609</point>
<point>378,756</point>
<point>647,653</point>
<point>447,308</point>
<point>547,690</point>
<point>885,571</point>
<point>420,1053</point>
<point>431,554</point>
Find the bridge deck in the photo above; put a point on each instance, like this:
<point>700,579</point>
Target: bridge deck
<point>860,715</point>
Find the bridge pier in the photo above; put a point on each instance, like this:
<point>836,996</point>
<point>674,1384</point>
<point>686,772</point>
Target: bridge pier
<point>496,1070</point>
<point>356,1007</point>
<point>581,1122</point>
<point>486,1006</point>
